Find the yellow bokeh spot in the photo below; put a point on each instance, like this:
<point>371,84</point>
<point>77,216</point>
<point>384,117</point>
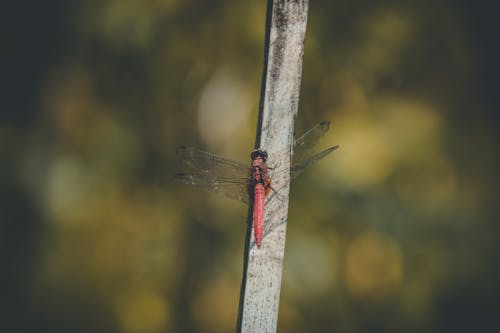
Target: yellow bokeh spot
<point>374,265</point>
<point>225,97</point>
<point>378,138</point>
<point>366,156</point>
<point>142,311</point>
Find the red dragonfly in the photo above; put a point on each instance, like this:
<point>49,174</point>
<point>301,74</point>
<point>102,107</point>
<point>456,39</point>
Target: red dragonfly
<point>237,180</point>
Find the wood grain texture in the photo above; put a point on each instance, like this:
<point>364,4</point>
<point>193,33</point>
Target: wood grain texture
<point>261,284</point>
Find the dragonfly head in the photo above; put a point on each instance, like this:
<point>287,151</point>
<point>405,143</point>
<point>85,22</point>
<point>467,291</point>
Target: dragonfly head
<point>259,153</point>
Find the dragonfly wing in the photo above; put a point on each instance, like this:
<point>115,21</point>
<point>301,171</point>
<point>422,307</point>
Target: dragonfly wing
<point>202,162</point>
<point>233,188</point>
<point>303,145</point>
<point>299,167</point>
<point>214,173</point>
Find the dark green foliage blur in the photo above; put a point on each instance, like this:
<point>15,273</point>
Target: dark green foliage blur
<point>397,231</point>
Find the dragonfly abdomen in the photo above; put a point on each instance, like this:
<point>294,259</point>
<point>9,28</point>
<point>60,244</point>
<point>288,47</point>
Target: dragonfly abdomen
<point>258,213</point>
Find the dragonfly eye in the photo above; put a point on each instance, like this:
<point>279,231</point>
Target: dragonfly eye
<point>259,152</point>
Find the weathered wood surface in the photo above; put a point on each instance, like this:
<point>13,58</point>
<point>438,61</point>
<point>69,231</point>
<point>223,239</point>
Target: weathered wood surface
<point>285,33</point>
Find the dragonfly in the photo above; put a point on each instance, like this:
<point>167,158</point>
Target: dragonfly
<point>250,184</point>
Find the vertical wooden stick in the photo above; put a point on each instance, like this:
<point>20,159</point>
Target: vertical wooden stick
<point>284,46</point>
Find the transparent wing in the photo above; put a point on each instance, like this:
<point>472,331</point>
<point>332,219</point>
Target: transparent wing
<point>304,145</point>
<point>233,188</point>
<point>299,167</point>
<point>207,163</point>
<point>214,173</point>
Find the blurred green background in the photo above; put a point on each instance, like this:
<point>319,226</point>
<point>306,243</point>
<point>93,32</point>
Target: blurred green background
<point>395,232</point>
